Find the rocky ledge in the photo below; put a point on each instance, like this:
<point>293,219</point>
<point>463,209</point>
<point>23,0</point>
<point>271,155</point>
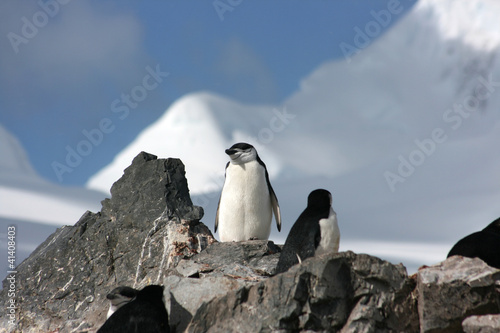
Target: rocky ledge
<point>149,232</point>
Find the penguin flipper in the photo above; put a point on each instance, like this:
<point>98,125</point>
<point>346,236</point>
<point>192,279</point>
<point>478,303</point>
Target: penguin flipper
<point>218,205</point>
<point>298,258</point>
<point>274,199</point>
<point>276,209</point>
<point>217,216</point>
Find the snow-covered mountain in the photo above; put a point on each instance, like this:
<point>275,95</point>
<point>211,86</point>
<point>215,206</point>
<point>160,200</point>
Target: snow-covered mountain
<point>35,207</point>
<point>405,135</point>
<point>400,88</point>
<point>196,129</point>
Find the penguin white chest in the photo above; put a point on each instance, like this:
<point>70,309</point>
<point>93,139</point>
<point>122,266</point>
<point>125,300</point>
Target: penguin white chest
<point>330,235</point>
<point>245,210</point>
<point>112,309</point>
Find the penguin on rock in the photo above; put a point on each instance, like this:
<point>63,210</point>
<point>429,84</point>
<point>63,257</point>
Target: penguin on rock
<point>315,232</point>
<point>247,201</point>
<point>146,313</point>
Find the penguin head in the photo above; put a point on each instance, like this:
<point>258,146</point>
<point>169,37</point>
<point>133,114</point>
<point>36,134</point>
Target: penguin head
<point>118,297</point>
<point>319,198</point>
<point>242,152</point>
<point>121,295</point>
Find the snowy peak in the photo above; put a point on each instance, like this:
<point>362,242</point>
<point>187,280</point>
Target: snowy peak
<point>14,162</point>
<point>346,115</point>
<point>25,196</point>
<point>404,82</point>
<point>197,128</point>
<point>475,22</point>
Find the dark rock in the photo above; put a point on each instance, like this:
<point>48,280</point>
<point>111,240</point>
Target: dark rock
<point>451,291</point>
<point>147,226</point>
<point>149,232</point>
<point>345,291</point>
<point>261,256</point>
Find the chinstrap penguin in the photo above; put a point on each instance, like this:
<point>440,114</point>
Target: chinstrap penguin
<point>484,244</point>
<point>144,314</point>
<point>118,297</point>
<point>247,201</point>
<point>315,232</point>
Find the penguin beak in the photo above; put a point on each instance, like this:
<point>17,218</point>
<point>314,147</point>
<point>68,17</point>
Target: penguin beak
<point>111,296</point>
<point>234,154</point>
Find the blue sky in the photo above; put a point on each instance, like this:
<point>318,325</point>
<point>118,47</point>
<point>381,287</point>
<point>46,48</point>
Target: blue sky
<point>67,67</point>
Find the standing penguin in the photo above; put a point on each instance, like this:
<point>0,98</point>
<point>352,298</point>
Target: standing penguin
<point>247,201</point>
<point>484,244</point>
<point>315,232</point>
<point>146,313</point>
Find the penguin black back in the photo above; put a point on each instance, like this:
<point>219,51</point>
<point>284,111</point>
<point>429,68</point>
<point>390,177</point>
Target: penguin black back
<point>484,244</point>
<point>493,227</point>
<point>305,235</point>
<point>145,314</point>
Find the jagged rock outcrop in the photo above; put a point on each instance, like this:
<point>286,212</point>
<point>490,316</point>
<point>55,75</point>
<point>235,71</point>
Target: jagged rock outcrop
<point>149,232</point>
<point>345,291</point>
<point>147,226</point>
<point>216,271</point>
<point>457,288</point>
